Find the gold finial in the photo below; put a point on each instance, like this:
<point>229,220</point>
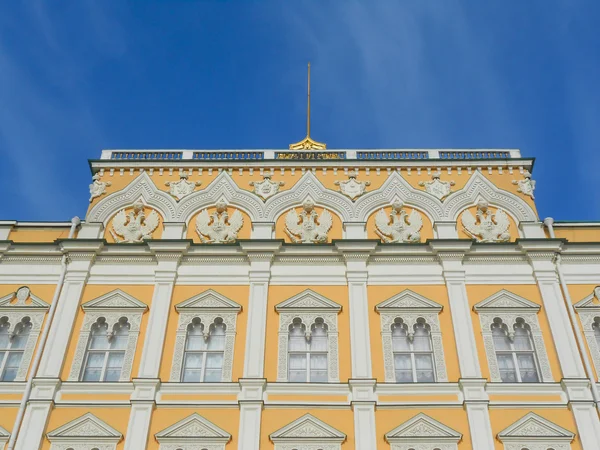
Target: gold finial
<point>307,143</point>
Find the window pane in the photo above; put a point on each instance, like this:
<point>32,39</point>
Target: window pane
<point>501,341</point>
<point>424,366</point>
<point>216,342</point>
<point>318,362</point>
<point>119,340</point>
<point>91,374</point>
<point>421,341</point>
<point>9,374</point>
<point>522,340</point>
<point>193,360</point>
<point>99,342</point>
<point>4,338</point>
<point>400,340</point>
<point>527,368</point>
<point>318,376</point>
<point>297,342</point>
<point>14,360</point>
<point>507,368</point>
<point>214,365</point>
<point>297,369</point>
<point>191,376</point>
<point>20,339</point>
<point>318,343</point>
<point>403,366</point>
<point>95,360</point>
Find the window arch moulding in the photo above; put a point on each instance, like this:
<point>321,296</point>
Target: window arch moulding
<point>17,306</point>
<point>410,307</point>
<point>423,433</point>
<point>307,433</point>
<point>207,307</point>
<point>534,432</point>
<point>589,314</point>
<point>193,433</point>
<point>511,309</point>
<point>84,433</point>
<point>308,306</point>
<point>112,307</point>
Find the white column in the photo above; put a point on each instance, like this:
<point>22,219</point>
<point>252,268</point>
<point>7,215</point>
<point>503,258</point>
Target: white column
<point>476,403</point>
<point>584,411</point>
<point>142,405</point>
<point>363,405</point>
<point>251,403</point>
<point>541,256</point>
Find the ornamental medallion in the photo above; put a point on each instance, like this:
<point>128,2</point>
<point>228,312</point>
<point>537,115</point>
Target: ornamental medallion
<point>134,226</point>
<point>183,187</point>
<point>351,187</point>
<point>266,188</point>
<point>526,185</point>
<point>436,187</point>
<point>97,188</point>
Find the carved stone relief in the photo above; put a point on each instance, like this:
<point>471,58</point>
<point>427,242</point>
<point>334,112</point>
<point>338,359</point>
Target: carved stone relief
<point>486,226</point>
<point>526,185</point>
<point>134,226</point>
<point>436,187</point>
<point>398,226</point>
<point>308,227</point>
<point>179,189</point>
<point>219,227</point>
<point>352,188</point>
<point>98,188</point>
<point>266,188</point>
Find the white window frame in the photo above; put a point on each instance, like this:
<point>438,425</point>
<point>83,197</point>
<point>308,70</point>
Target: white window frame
<point>589,312</point>
<point>510,307</point>
<point>411,307</point>
<point>193,433</point>
<point>534,432</point>
<point>112,306</point>
<point>207,307</point>
<point>307,433</point>
<point>423,433</point>
<point>16,307</point>
<point>84,433</point>
<point>308,306</point>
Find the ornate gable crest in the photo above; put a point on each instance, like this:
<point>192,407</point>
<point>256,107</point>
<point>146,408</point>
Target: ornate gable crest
<point>352,188</point>
<point>219,227</point>
<point>307,429</point>
<point>19,300</point>
<point>192,429</point>
<point>505,300</point>
<point>308,299</point>
<point>266,188</point>
<point>533,427</point>
<point>398,226</point>
<point>436,187</point>
<point>134,226</point>
<point>116,299</point>
<point>423,429</point>
<point>183,187</point>
<point>408,300</point>
<point>208,300</point>
<point>85,429</point>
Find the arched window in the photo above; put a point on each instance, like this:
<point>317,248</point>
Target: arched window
<point>413,355</point>
<point>307,352</point>
<point>515,352</point>
<point>106,351</point>
<point>12,346</point>
<point>203,356</point>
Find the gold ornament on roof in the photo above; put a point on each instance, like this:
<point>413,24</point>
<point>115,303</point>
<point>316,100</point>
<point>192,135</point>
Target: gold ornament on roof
<point>308,143</point>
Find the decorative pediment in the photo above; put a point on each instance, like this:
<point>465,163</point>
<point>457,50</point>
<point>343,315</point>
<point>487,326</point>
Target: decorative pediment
<point>194,428</point>
<point>534,427</point>
<point>423,428</point>
<point>116,299</point>
<point>408,300</point>
<point>307,429</point>
<point>208,300</point>
<point>308,299</point>
<point>4,435</point>
<point>591,302</point>
<point>85,429</point>
<point>23,299</point>
<point>504,301</point>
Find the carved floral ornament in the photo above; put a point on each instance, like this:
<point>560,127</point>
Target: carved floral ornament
<point>266,188</point>
<point>183,187</point>
<point>526,185</point>
<point>134,226</point>
<point>97,188</point>
<point>219,227</point>
<point>487,225</point>
<point>436,187</point>
<point>308,227</point>
<point>352,188</point>
<point>398,226</point>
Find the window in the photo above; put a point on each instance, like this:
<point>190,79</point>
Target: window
<point>515,353</point>
<point>589,313</point>
<point>308,339</point>
<point>205,339</point>
<point>203,358</point>
<point>12,346</point>
<point>106,351</point>
<point>513,340</point>
<point>413,354</point>
<point>108,338</point>
<point>307,352</point>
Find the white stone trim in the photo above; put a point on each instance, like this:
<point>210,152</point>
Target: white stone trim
<point>15,312</point>
<point>207,306</point>
<point>4,436</point>
<point>588,312</point>
<point>84,433</point>
<point>410,307</point>
<point>509,307</point>
<point>193,433</point>
<point>308,306</point>
<point>535,433</point>
<point>111,306</point>
<point>423,433</point>
<point>308,433</point>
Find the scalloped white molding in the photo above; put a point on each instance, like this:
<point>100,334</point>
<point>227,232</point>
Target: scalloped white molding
<point>308,306</point>
<point>112,306</point>
<point>193,433</point>
<point>307,433</point>
<point>535,433</point>
<point>588,310</point>
<point>423,433</point>
<point>207,306</point>
<point>84,433</point>
<point>410,306</point>
<point>509,307</point>
<point>15,312</point>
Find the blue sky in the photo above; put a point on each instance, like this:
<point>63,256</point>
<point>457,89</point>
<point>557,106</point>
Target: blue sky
<point>80,76</point>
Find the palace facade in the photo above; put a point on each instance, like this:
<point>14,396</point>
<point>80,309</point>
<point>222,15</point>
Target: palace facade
<point>303,299</point>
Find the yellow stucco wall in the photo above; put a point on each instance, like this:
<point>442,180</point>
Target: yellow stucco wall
<point>578,234</point>
<point>38,234</point>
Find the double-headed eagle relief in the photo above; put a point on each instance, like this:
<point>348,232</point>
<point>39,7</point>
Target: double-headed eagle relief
<point>398,226</point>
<point>266,188</point>
<point>351,187</point>
<point>307,227</point>
<point>218,227</point>
<point>486,226</point>
<point>183,187</point>
<point>437,187</point>
<point>134,226</point>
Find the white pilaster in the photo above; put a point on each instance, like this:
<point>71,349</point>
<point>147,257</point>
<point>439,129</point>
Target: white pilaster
<point>33,425</point>
<point>541,255</point>
<point>174,230</point>
<point>168,255</point>
<point>586,415</point>
<point>251,402</point>
<point>363,406</point>
<point>445,230</point>
<point>355,230</point>
<point>142,405</point>
<point>476,404</point>
<point>262,230</point>
<point>451,254</point>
